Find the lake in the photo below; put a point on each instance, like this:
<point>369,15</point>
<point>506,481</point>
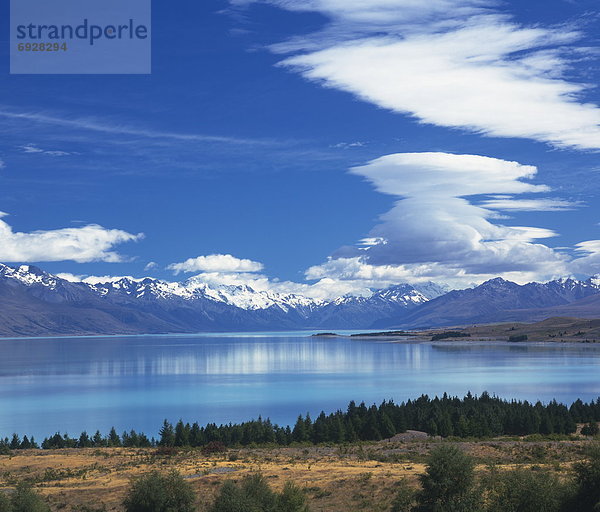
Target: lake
<point>72,384</point>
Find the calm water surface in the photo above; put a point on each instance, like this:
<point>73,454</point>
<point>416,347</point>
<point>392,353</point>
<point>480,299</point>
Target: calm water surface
<point>72,384</point>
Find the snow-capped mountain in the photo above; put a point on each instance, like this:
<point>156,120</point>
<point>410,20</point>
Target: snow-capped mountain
<point>243,297</point>
<point>499,300</point>
<point>34,302</point>
<point>28,275</point>
<point>153,305</point>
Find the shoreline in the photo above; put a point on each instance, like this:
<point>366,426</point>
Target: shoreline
<point>550,330</point>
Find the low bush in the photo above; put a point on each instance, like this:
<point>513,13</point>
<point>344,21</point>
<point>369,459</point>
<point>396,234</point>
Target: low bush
<point>160,492</point>
<point>522,490</point>
<point>23,499</point>
<point>253,494</point>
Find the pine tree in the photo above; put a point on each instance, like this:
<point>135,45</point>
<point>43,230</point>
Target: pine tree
<point>320,429</point>
<point>84,440</point>
<point>182,434</point>
<point>386,427</point>
<point>299,433</point>
<point>195,435</point>
<point>370,430</point>
<point>338,430</point>
<point>167,435</point>
<point>98,440</point>
<point>445,426</point>
<point>462,427</point>
<point>113,438</point>
<point>15,443</point>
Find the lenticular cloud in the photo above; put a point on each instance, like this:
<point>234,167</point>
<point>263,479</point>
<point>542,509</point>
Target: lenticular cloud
<point>436,229</point>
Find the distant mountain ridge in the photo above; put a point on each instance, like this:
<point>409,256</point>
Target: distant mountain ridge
<point>36,303</point>
<point>498,300</point>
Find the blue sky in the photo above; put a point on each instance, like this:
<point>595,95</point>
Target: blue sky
<point>458,141</point>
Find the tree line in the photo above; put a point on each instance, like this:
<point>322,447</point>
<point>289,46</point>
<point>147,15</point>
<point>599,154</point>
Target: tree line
<point>471,416</point>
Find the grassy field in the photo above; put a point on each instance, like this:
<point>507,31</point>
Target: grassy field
<point>336,478</point>
<point>554,329</point>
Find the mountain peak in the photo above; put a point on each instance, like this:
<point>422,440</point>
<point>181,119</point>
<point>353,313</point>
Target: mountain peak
<point>496,283</point>
<point>28,275</point>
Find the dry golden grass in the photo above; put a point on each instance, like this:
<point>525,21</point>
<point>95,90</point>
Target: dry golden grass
<point>340,479</point>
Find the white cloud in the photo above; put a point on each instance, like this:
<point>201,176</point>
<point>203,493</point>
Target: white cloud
<point>225,263</point>
<point>349,145</point>
<point>72,278</point>
<point>589,247</point>
<point>358,274</point>
<point>151,265</point>
<point>447,174</point>
<point>380,12</point>
<point>226,270</point>
<point>32,148</point>
<point>447,64</point>
<point>84,244</point>
<point>108,279</point>
<point>539,205</point>
<point>326,288</point>
<point>76,278</point>
<point>588,262</point>
<point>434,231</point>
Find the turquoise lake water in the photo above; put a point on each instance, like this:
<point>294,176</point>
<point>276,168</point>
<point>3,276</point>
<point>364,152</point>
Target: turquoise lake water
<point>72,384</point>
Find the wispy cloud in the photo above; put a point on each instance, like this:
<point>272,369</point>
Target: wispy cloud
<point>32,148</point>
<point>349,145</point>
<point>536,205</point>
<point>103,126</point>
<point>450,63</point>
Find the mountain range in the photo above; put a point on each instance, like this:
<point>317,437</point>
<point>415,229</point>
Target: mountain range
<point>498,300</point>
<point>36,303</point>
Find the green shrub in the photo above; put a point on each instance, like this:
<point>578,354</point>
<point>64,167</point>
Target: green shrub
<point>523,490</point>
<point>232,499</point>
<point>587,483</point>
<point>404,498</point>
<point>158,492</point>
<point>253,494</point>
<point>590,429</point>
<point>447,485</point>
<point>292,499</point>
<point>5,504</point>
<point>258,492</point>
<point>25,499</point>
